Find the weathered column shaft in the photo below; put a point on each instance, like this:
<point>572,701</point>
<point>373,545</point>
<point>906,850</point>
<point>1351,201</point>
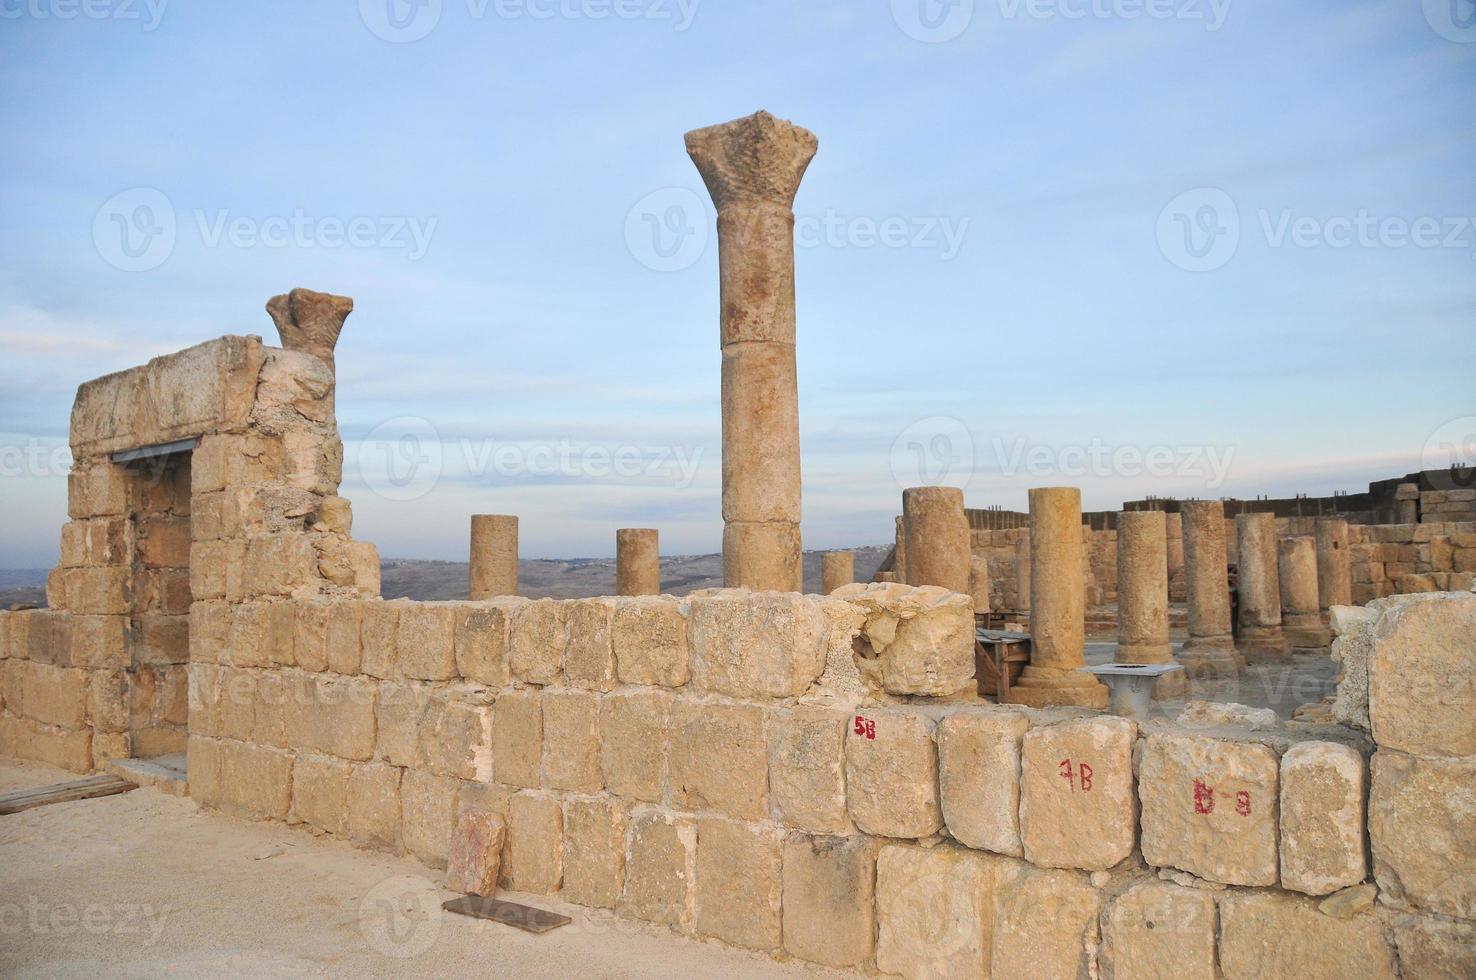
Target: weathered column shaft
<point>899,554</point>
<point>637,561</point>
<point>1173,531</point>
<point>1301,617</point>
<point>979,583</point>
<point>937,536</point>
<point>1259,588</point>
<point>752,168</point>
<point>494,556</point>
<point>1210,648</point>
<point>1334,566</point>
<point>1142,588</point>
<point>837,568</point>
<point>1057,605</point>
<point>1022,573</point>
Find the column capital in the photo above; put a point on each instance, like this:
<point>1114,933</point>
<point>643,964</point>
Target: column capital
<point>310,321</point>
<point>754,160</point>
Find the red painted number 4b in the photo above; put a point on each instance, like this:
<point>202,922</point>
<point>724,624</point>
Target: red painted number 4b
<point>866,727</point>
<point>1080,776</point>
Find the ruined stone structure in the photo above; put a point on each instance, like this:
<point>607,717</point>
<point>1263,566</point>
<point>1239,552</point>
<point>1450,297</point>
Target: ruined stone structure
<point>1143,598</point>
<point>1260,637</point>
<point>936,537</point>
<point>1301,616</point>
<point>494,556</point>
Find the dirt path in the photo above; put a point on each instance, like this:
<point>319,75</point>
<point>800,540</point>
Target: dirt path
<point>145,885</point>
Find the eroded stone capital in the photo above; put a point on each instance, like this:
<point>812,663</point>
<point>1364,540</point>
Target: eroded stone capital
<point>310,321</point>
<point>758,159</point>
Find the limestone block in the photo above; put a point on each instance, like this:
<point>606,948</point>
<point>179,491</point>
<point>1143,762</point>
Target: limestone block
<point>1272,934</point>
<point>935,910</point>
<point>210,631</point>
<point>342,637</point>
<point>481,641</point>
<point>829,899</point>
<point>60,747</point>
<point>634,728</point>
<point>98,489</point>
<point>571,741</point>
<point>738,888</point>
<point>208,563</point>
<point>1422,827</point>
<point>921,638</point>
<point>1159,931</point>
<point>1031,943</point>
<point>49,638</point>
<point>427,814</point>
<point>807,774</point>
<point>1077,806</point>
<point>719,758</point>
<point>374,810</point>
<point>276,564</point>
<point>589,657</point>
<point>55,695</point>
<point>320,793</point>
<point>650,641</point>
<point>1209,808</point>
<point>1434,948</point>
<point>203,762</point>
<point>399,708</point>
<point>539,636</point>
<point>424,641</point>
<point>99,642</point>
<point>594,851</point>
<point>159,639</point>
<point>276,695</point>
<point>660,868</point>
<point>475,861</point>
<point>456,737</point>
<point>333,715</point>
<point>892,774</point>
<point>256,781</point>
<point>979,777</point>
<point>1422,676</point>
<point>517,738</point>
<point>756,644</point>
<point>238,703</point>
<point>1322,846</point>
<point>535,844</point>
<point>249,637</point>
<point>378,628</point>
<point>102,590</point>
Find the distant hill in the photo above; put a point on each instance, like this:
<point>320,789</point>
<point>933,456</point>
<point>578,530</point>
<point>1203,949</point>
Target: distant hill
<point>570,578</point>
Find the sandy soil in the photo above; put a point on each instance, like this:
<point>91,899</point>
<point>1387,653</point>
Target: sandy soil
<point>145,885</point>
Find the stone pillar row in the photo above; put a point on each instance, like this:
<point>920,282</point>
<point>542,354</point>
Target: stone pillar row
<point>1260,638</point>
<point>1143,597</point>
<point>1210,648</point>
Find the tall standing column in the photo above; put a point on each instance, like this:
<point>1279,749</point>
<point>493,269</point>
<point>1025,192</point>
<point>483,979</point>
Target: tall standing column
<point>637,561</point>
<point>1022,573</point>
<point>1210,649</point>
<point>979,583</point>
<point>837,568</point>
<point>1173,531</point>
<point>752,168</point>
<point>1334,568</point>
<point>494,556</point>
<point>1301,618</point>
<point>1260,638</point>
<point>1142,597</point>
<point>936,531</point>
<point>1054,675</point>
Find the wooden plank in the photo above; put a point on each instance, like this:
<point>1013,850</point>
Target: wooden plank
<point>523,917</point>
<point>81,789</point>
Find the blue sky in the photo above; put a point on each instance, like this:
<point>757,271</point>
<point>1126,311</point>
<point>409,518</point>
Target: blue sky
<point>1165,247</point>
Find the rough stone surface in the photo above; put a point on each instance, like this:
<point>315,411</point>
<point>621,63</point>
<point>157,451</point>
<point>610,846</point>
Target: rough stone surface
<point>920,640</point>
<point>719,759</point>
<point>535,844</point>
<point>1077,806</point>
<point>1422,676</point>
<point>571,741</point>
<point>1435,948</point>
<point>1030,941</point>
<point>747,644</point>
<point>1422,828</point>
<point>738,885</point>
<point>935,910</point>
<point>475,860</point>
<point>594,851</point>
<point>650,642</point>
<point>633,743</point>
<point>1271,934</point>
<point>892,774</point>
<point>539,635</point>
<point>1322,818</point>
<point>427,815</point>
<point>1353,628</point>
<point>637,561</point>
<point>493,570</point>
<point>320,793</point>
<point>425,640</point>
<point>589,658</point>
<point>807,777</point>
<point>1209,808</point>
<point>517,738</point>
<point>481,642</point>
<point>979,777</point>
<point>829,895</point>
<point>660,868</point>
<point>1159,931</point>
<point>937,531</point>
<point>373,805</point>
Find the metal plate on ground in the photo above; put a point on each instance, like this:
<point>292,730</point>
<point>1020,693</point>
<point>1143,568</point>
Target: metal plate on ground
<point>524,917</point>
